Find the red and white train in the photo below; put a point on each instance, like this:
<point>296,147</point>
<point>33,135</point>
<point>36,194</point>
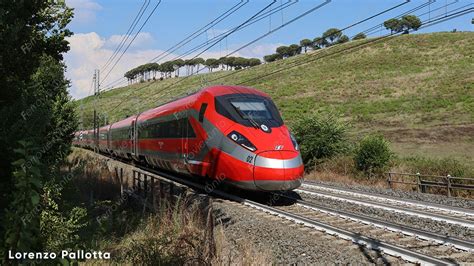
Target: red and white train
<point>228,133</point>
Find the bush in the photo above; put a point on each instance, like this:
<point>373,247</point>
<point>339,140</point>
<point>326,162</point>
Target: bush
<point>320,138</point>
<point>373,155</point>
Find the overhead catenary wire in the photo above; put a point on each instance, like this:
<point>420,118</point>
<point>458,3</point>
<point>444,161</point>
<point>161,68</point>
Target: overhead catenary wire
<point>262,36</point>
<point>363,44</point>
<point>216,38</point>
<point>345,28</point>
<point>193,35</point>
<point>367,31</point>
<point>235,29</point>
<point>201,30</point>
<point>429,12</point>
<point>290,66</point>
<point>134,37</point>
<point>352,25</point>
<point>341,30</point>
<point>432,22</point>
<point>258,38</point>
<point>127,34</point>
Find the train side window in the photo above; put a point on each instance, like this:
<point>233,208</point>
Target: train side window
<point>202,111</point>
<point>168,129</point>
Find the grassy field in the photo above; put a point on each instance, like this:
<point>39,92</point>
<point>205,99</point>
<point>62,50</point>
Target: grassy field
<point>417,90</point>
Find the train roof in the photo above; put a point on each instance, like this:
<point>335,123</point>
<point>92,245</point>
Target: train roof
<point>106,127</point>
<point>183,102</point>
<point>229,89</point>
<point>188,100</point>
<point>123,123</point>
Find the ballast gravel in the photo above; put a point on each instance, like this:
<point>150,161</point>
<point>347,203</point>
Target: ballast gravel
<point>288,243</point>
<point>426,197</point>
<point>426,224</point>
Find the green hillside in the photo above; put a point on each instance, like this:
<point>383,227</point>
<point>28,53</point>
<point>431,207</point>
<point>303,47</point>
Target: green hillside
<point>417,90</point>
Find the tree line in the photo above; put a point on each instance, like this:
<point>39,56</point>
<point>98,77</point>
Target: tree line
<point>150,71</point>
<point>38,120</point>
<point>334,36</point>
<point>330,37</point>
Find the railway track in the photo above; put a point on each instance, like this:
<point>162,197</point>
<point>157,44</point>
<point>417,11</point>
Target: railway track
<point>401,242</point>
<point>295,215</point>
<point>452,215</point>
<point>440,246</point>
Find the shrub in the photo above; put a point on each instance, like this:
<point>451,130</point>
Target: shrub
<point>373,155</point>
<point>359,36</point>
<point>320,138</point>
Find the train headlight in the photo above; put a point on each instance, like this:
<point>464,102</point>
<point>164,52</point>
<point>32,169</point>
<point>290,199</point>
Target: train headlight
<point>293,140</point>
<point>241,140</point>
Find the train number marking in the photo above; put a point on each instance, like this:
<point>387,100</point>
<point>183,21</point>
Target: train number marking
<point>249,159</point>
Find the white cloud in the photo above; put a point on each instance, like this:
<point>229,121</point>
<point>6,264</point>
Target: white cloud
<point>84,10</point>
<point>90,51</point>
<point>142,39</point>
<point>260,50</point>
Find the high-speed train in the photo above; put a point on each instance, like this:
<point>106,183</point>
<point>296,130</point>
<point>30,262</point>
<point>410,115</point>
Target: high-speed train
<point>231,134</point>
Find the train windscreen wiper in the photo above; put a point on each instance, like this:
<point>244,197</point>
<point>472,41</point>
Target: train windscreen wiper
<point>246,117</point>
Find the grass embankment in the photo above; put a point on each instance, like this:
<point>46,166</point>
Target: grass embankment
<point>416,90</point>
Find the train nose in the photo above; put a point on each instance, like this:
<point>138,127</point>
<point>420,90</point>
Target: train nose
<point>278,170</point>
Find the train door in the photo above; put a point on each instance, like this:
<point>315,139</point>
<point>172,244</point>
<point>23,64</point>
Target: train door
<point>184,142</point>
<point>108,139</point>
<point>133,143</point>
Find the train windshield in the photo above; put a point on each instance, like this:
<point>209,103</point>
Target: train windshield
<point>252,109</point>
<point>248,109</point>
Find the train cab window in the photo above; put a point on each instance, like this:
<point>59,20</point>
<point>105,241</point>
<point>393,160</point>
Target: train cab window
<point>252,108</point>
<point>246,109</point>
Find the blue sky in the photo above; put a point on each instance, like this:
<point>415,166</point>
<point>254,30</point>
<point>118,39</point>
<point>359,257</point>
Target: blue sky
<point>99,26</point>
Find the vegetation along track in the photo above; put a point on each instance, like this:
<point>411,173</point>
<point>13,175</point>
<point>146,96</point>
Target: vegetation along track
<point>433,250</point>
<point>456,216</point>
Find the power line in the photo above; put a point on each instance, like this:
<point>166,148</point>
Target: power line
<point>429,23</point>
<point>277,9</point>
<point>134,37</point>
<point>195,34</point>
<point>361,45</point>
<point>345,28</point>
<point>266,34</point>
<point>324,50</point>
<point>235,29</point>
<point>304,14</point>
<point>127,34</point>
<point>377,28</point>
<point>216,38</point>
<point>262,36</point>
<point>367,31</point>
<point>201,30</point>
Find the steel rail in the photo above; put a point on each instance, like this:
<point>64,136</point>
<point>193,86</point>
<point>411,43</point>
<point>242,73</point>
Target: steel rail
<point>407,230</point>
<point>396,251</point>
<point>418,213</point>
<point>422,204</point>
<point>371,243</point>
